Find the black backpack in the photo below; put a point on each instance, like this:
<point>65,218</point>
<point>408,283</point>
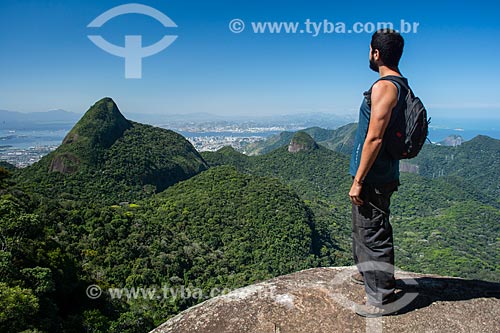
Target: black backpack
<point>406,134</point>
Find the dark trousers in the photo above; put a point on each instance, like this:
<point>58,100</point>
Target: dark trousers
<point>372,241</point>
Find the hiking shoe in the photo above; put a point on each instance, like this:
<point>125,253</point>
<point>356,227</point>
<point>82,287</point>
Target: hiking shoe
<point>357,278</point>
<point>370,311</point>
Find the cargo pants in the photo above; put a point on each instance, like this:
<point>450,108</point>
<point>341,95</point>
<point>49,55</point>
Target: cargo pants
<point>372,242</point>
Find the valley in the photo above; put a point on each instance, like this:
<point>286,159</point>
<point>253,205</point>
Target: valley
<point>120,204</point>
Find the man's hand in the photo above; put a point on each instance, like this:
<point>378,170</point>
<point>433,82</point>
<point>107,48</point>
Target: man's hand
<point>355,193</point>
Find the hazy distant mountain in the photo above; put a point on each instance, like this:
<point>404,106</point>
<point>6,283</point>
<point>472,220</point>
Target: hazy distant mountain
<point>56,119</point>
<point>296,121</point>
<point>196,117</point>
<point>315,119</point>
<point>11,120</point>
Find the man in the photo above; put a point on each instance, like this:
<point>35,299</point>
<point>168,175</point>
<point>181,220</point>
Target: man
<point>375,177</point>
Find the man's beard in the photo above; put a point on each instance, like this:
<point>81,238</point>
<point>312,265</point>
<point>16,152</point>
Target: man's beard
<point>373,65</point>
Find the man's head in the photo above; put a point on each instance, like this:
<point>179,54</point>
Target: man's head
<point>386,49</point>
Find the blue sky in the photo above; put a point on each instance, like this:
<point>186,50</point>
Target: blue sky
<point>47,61</point>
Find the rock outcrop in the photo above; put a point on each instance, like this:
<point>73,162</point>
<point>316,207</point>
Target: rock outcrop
<point>452,141</point>
<point>302,141</point>
<point>408,167</point>
<point>322,300</point>
<point>65,163</point>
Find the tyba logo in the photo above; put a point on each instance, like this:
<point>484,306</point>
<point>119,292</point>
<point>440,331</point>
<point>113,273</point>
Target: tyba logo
<point>133,52</point>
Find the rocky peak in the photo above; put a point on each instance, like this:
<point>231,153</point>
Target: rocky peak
<point>302,141</point>
<point>452,141</point>
<point>96,131</point>
<point>322,300</point>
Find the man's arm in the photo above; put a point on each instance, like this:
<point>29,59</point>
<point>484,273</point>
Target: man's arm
<point>384,98</point>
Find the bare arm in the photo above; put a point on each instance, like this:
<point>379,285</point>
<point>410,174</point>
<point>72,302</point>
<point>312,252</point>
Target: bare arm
<point>384,98</point>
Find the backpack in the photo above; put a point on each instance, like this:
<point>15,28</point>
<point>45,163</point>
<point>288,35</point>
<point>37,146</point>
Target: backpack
<point>407,133</point>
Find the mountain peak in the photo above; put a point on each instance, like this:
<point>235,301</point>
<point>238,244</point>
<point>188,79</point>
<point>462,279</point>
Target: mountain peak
<point>103,123</point>
<point>301,141</point>
<point>98,129</point>
<point>484,140</point>
<point>119,159</point>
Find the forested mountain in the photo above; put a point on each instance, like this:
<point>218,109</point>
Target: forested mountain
<point>7,165</point>
<point>11,120</point>
<point>474,164</point>
<point>75,219</point>
<point>220,228</point>
<point>340,139</point>
<point>107,158</point>
<point>429,216</point>
<point>121,204</point>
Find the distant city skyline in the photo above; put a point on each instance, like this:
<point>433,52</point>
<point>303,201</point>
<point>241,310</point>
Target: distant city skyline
<point>48,62</point>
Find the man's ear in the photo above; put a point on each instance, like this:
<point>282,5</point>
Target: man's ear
<point>376,55</point>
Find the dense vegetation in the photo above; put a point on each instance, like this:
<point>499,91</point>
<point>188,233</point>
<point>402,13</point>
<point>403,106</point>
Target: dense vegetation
<point>67,228</point>
<point>464,218</point>
<point>475,165</point>
<point>220,228</point>
<point>142,208</point>
<point>38,278</point>
<point>7,166</point>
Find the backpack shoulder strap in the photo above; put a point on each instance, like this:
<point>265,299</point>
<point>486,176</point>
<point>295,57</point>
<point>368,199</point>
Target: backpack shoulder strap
<point>398,79</point>
<point>403,90</point>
